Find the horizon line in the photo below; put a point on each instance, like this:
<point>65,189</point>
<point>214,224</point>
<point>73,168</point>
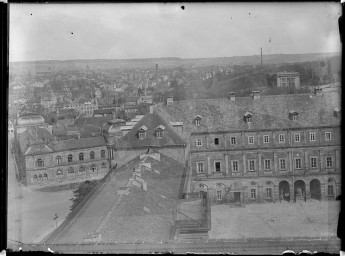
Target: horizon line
<point>180,58</point>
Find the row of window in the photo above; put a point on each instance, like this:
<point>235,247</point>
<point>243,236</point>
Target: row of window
<point>40,162</point>
<point>142,134</point>
<point>269,193</point>
<point>59,172</point>
<point>267,164</point>
<point>266,139</point>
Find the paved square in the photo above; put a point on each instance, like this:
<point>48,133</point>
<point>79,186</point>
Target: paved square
<point>312,218</point>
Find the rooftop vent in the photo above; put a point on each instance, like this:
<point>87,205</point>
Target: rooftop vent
<point>232,96</point>
<point>256,95</point>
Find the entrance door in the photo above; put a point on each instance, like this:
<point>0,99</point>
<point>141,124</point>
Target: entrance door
<point>315,189</point>
<point>237,197</point>
<point>284,191</point>
<point>299,190</point>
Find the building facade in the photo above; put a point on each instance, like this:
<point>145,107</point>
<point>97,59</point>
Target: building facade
<point>262,148</point>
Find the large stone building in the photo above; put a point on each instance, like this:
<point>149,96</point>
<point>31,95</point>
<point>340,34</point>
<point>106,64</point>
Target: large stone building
<point>268,148</point>
<point>42,159</point>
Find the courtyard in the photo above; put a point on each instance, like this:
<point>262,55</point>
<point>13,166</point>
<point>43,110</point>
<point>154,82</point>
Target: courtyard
<point>312,219</point>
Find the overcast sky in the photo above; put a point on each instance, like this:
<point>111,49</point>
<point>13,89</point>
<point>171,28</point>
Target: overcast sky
<point>125,31</point>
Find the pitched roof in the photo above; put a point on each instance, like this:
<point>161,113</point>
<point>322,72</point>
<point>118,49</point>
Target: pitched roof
<point>146,215</point>
<point>89,125</point>
<point>150,121</point>
<point>81,143</point>
<point>268,112</point>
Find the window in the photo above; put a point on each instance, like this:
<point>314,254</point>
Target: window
<point>282,164</point>
<point>251,140</point>
<point>197,122</point>
<point>312,136</point>
<point>40,162</point>
<point>294,118</point>
<point>200,167</point>
<point>104,166</point>
<point>217,166</point>
<point>329,162</point>
<point>251,164</point>
<point>81,169</point>
<point>298,163</point>
<point>219,195</point>
<point>297,137</point>
<point>330,190</point>
<point>59,173</point>
<point>141,135</point>
<point>268,192</point>
<point>40,177</point>
<point>93,168</point>
<point>58,159</point>
<point>35,177</point>
<point>249,119</point>
<point>267,164</point>
<point>70,170</point>
<point>216,141</point>
<point>70,158</point>
<point>45,176</point>
<point>233,140</point>
<point>102,153</point>
<point>281,138</point>
<point>81,156</point>
<point>159,134</point>
<point>198,142</point>
<point>235,166</point>
<point>253,193</point>
<point>266,139</point>
<point>92,155</point>
<point>328,136</point>
<point>313,162</point>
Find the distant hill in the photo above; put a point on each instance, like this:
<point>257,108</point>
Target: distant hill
<point>51,65</point>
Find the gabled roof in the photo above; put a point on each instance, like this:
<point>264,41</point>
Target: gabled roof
<point>293,112</point>
<point>160,127</point>
<point>269,112</point>
<point>247,114</point>
<point>143,127</point>
<point>197,117</point>
<point>82,143</point>
<point>150,121</point>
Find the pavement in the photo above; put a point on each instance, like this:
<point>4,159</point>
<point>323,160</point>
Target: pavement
<point>312,219</point>
<point>30,213</point>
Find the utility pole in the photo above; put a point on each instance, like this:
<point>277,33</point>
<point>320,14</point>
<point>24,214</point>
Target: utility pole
<point>261,56</point>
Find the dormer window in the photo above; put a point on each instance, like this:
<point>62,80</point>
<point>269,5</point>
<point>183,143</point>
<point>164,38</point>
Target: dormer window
<point>160,131</point>
<point>248,117</point>
<point>197,120</point>
<point>293,115</point>
<point>337,112</point>
<point>142,132</point>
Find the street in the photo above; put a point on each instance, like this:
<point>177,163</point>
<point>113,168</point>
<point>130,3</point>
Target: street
<point>30,212</point>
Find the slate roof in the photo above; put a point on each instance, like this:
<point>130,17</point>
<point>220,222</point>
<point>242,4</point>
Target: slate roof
<point>129,221</point>
<point>65,145</point>
<point>268,112</point>
<point>151,121</point>
<point>29,137</point>
<point>90,125</point>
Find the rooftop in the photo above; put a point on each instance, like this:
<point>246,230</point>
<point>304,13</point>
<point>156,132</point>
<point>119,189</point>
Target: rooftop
<point>268,112</point>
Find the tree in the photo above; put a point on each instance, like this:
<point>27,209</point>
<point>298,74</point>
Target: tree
<point>82,191</point>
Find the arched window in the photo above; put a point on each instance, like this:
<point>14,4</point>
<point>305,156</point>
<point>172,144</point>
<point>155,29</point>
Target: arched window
<point>40,177</point>
<point>59,173</point>
<point>104,166</point>
<point>45,176</point>
<point>35,177</point>
<point>81,156</point>
<point>40,162</point>
<point>70,158</point>
<point>81,169</point>
<point>70,170</point>
<point>58,159</point>
<point>93,168</point>
<point>103,153</point>
<point>92,155</point>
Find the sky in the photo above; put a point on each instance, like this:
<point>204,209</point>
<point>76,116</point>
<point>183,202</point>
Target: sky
<point>154,30</point>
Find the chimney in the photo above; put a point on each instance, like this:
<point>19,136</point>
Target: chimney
<point>151,109</point>
<point>170,101</point>
<point>318,91</point>
<point>232,96</point>
<point>256,95</point>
